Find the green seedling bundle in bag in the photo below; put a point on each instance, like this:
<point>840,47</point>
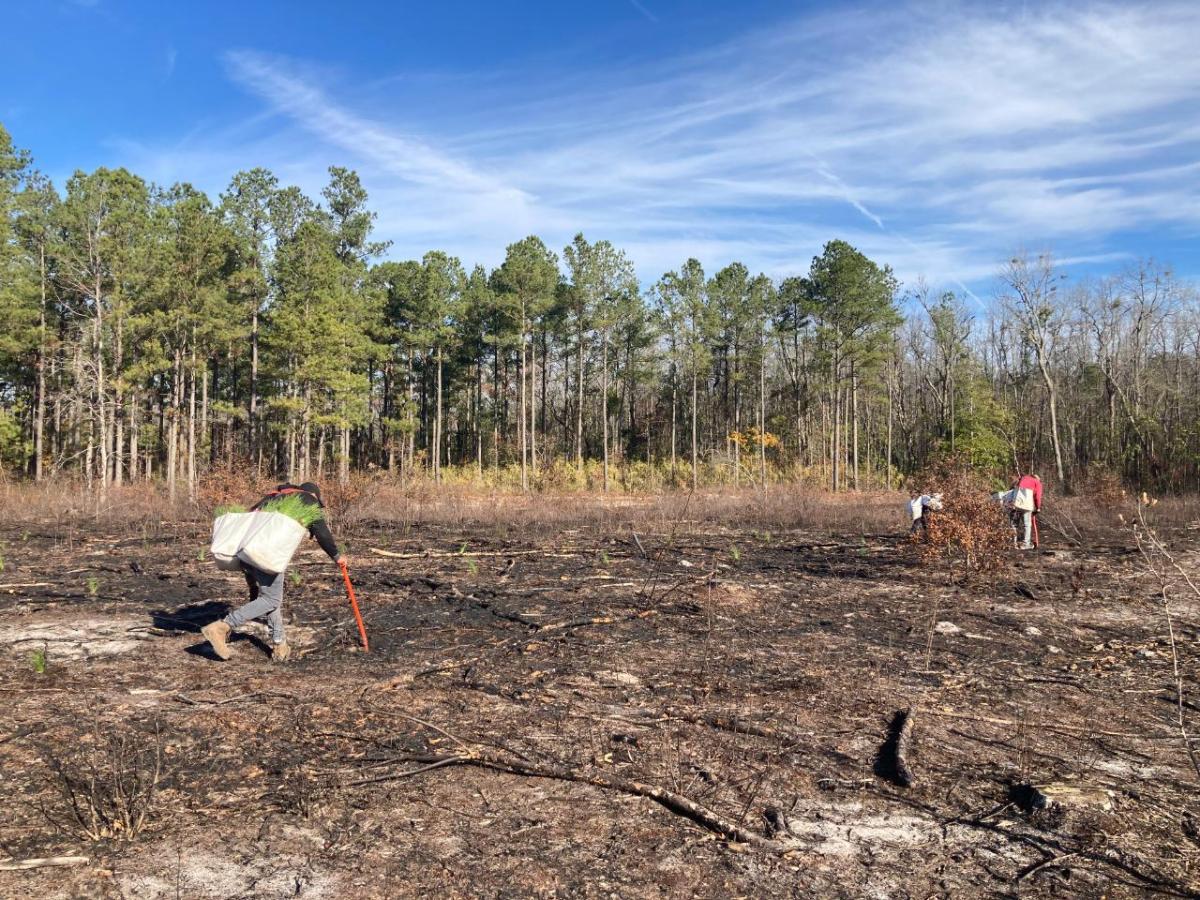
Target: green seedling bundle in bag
<point>267,538</point>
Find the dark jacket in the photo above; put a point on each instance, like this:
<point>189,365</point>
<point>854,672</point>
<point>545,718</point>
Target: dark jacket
<point>318,529</point>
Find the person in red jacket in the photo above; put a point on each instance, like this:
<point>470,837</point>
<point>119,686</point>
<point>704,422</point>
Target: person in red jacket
<point>1027,503</point>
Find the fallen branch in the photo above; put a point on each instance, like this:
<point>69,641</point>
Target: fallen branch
<point>437,553</point>
<point>670,800</point>
<point>595,620</point>
<point>1069,729</point>
<point>486,606</point>
<point>900,750</point>
<point>638,541</point>
<point>736,726</point>
<point>12,865</point>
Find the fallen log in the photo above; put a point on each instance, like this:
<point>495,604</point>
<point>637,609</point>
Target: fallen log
<point>891,762</point>
<point>13,865</point>
<point>738,726</point>
<point>424,554</point>
<point>1067,729</point>
<point>904,773</point>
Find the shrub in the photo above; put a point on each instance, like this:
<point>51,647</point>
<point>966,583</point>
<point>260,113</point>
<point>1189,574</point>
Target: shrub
<point>971,528</point>
<point>107,782</point>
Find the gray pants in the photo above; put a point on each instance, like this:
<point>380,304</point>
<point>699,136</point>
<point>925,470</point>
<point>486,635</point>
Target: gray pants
<point>266,599</point>
<point>1027,524</point>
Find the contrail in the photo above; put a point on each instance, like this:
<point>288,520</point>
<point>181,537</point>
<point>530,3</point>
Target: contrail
<point>645,12</point>
<point>848,195</point>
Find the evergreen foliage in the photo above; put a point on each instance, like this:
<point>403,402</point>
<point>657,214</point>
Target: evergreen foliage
<point>149,332</point>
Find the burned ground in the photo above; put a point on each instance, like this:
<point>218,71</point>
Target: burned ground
<point>702,711</point>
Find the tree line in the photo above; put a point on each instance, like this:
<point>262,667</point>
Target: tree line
<point>156,333</point>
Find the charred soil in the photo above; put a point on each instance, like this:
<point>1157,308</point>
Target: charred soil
<point>707,712</point>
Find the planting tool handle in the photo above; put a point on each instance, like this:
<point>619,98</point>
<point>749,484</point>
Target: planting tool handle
<point>362,630</point>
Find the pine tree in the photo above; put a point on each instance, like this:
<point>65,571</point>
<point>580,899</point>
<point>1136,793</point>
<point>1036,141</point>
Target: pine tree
<point>526,282</point>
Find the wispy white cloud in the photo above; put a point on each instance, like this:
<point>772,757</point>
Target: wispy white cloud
<point>643,11</point>
<point>934,139</point>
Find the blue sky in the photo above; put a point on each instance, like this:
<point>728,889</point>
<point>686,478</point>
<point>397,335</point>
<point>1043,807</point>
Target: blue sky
<point>936,137</point>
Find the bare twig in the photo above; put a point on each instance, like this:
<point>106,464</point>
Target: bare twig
<point>1149,544</point>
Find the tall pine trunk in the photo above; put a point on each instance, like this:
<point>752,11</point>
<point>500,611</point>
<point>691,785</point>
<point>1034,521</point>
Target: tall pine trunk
<point>522,410</point>
<point>39,419</point>
<point>604,402</point>
<point>437,423</point>
<point>101,414</point>
<point>579,406</point>
<point>695,424</point>
<point>837,421</point>
<point>854,421</point>
<point>191,460</point>
<point>762,411</point>
<point>252,414</point>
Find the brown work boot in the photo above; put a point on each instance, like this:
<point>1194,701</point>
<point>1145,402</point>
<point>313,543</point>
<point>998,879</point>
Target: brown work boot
<point>217,633</point>
<point>280,652</point>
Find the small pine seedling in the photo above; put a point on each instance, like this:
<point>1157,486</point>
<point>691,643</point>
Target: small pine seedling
<point>202,555</point>
<point>37,659</point>
<point>472,567</point>
<point>604,557</point>
<point>228,508</point>
<point>735,553</point>
<point>295,577</point>
<point>93,585</point>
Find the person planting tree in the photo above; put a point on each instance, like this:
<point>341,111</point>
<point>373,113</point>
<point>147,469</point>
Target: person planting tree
<point>919,508</point>
<point>1027,503</point>
<point>302,505</point>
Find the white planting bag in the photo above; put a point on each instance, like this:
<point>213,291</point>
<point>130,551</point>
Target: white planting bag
<point>1023,499</point>
<point>228,533</point>
<point>271,541</point>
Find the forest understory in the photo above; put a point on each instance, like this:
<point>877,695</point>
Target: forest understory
<point>710,707</point>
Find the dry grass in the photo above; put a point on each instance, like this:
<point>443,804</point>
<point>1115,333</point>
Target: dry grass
<point>779,507</point>
<point>376,500</point>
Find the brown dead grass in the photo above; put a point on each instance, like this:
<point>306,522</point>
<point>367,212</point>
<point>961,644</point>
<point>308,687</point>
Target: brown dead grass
<point>375,501</point>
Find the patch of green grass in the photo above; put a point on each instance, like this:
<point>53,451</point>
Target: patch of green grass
<point>37,659</point>
<point>93,586</point>
<point>294,507</point>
